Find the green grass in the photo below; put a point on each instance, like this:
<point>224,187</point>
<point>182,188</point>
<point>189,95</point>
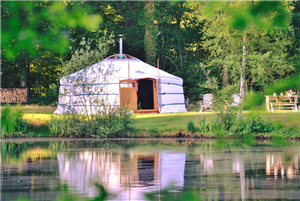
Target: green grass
<point>36,109</point>
<point>286,123</point>
<point>170,123</point>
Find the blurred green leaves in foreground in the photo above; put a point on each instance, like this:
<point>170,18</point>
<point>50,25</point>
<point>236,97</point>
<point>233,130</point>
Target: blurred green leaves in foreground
<point>265,14</point>
<point>170,193</point>
<point>69,195</point>
<point>38,25</point>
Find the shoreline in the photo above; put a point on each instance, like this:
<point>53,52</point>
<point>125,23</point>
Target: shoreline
<point>143,138</point>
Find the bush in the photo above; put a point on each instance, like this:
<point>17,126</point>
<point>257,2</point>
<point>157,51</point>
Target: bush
<point>226,119</point>
<point>255,124</point>
<point>258,125</point>
<point>239,128</point>
<point>11,121</point>
<point>115,123</point>
<point>191,127</point>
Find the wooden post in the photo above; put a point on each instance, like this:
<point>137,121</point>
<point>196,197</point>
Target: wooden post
<point>128,70</point>
<point>158,86</point>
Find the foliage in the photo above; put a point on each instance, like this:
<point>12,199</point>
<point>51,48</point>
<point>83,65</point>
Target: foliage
<point>50,97</point>
<point>191,127</point>
<point>209,125</point>
<point>252,100</point>
<point>11,121</point>
<point>253,125</point>
<point>85,55</point>
<point>35,35</point>
<point>266,45</point>
<point>70,195</point>
<point>31,26</point>
<point>222,100</point>
<point>259,125</point>
<point>172,193</point>
<point>267,15</point>
<point>115,123</point>
<point>181,34</point>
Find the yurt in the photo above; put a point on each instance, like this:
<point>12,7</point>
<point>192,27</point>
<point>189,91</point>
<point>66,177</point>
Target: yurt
<point>120,80</point>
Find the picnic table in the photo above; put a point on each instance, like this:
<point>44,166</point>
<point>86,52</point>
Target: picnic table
<point>282,102</point>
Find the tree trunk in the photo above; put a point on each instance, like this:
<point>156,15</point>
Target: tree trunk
<point>225,77</point>
<point>151,33</point>
<point>23,70</point>
<point>23,66</point>
<point>128,19</point>
<point>242,83</point>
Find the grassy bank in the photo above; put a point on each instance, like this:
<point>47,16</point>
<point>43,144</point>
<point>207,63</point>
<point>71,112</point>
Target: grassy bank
<point>285,123</point>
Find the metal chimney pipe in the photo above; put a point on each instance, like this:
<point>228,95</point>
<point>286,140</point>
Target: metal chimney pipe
<point>121,44</point>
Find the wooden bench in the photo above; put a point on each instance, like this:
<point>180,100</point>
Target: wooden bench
<point>270,98</point>
<point>283,102</point>
<point>292,105</point>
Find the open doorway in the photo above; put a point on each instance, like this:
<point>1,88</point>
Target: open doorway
<point>145,99</point>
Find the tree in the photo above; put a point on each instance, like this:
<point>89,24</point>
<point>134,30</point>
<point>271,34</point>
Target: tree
<point>85,55</point>
<point>27,28</point>
<point>248,40</point>
<point>150,33</point>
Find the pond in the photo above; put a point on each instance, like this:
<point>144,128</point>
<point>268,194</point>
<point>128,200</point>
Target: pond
<point>62,169</point>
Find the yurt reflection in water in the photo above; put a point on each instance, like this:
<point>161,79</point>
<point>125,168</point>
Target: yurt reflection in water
<point>125,176</point>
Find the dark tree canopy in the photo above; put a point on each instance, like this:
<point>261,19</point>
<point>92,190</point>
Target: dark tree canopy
<point>186,37</point>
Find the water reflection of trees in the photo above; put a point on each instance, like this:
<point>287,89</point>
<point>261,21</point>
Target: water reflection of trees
<point>238,175</point>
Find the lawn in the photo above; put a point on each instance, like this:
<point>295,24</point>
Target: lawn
<point>171,123</point>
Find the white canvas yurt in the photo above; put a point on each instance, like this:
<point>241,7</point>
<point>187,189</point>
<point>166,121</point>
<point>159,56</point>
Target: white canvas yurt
<point>121,81</point>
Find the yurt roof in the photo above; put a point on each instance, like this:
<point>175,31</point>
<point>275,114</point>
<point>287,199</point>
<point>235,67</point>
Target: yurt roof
<point>120,56</point>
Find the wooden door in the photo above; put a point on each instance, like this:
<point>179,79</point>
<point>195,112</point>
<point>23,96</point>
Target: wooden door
<point>128,96</point>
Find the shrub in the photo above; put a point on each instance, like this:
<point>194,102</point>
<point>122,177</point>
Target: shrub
<point>191,127</point>
<point>115,123</point>
<point>240,128</point>
<point>226,119</point>
<point>259,125</point>
<point>209,126</point>
<point>11,121</point>
<point>255,124</point>
<point>203,126</point>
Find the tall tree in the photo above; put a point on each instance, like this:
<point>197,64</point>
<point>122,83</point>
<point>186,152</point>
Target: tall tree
<point>150,33</point>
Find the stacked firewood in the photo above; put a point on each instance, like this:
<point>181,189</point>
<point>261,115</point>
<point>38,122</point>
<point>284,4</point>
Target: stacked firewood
<point>14,95</point>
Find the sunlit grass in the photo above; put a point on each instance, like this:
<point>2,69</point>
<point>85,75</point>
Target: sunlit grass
<point>171,123</point>
<point>168,120</point>
<point>147,115</point>
<point>37,119</point>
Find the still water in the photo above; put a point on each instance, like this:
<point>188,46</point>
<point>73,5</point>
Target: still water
<point>149,170</point>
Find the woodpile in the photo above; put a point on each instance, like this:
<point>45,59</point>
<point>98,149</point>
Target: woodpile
<point>14,95</point>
